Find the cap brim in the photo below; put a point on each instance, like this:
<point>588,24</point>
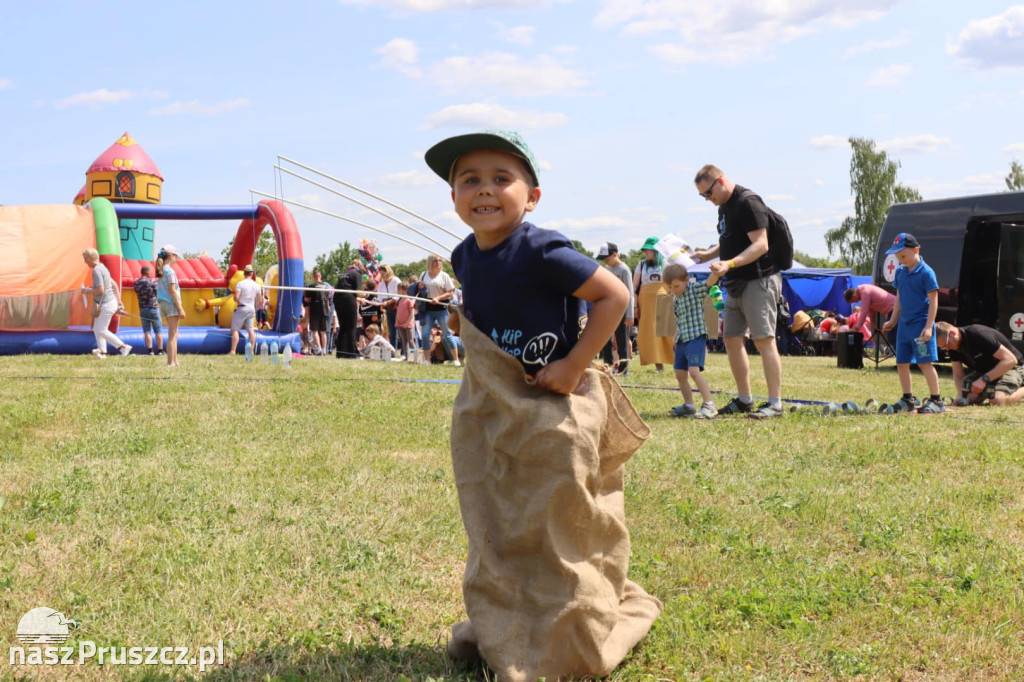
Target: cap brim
<point>443,155</point>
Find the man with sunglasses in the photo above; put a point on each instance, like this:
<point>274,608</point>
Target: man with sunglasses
<point>996,366</point>
<point>753,283</point>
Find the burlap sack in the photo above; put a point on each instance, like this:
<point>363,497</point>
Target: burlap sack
<point>665,318</point>
<point>539,478</point>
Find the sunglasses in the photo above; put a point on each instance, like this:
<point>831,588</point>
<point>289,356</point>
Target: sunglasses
<point>710,190</point>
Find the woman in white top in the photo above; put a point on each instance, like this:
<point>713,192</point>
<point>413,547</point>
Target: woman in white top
<point>389,285</point>
<point>440,288</point>
<point>106,297</point>
<point>647,284</point>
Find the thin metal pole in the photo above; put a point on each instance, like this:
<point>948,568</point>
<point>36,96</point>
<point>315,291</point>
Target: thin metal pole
<point>341,217</point>
<point>370,194</point>
<point>356,201</point>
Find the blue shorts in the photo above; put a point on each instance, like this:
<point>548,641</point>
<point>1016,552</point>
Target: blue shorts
<point>691,353</point>
<point>907,350</point>
<point>150,320</point>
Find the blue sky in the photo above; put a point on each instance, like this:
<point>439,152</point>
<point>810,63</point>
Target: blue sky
<point>621,100</point>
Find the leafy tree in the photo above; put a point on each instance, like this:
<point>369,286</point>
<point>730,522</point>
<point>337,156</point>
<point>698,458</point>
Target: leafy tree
<point>1015,180</point>
<point>331,265</point>
<point>874,187</point>
<point>582,249</point>
<point>819,261</point>
<point>265,256</point>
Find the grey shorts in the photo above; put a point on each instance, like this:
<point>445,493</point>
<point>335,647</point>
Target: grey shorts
<point>243,318</point>
<point>167,309</point>
<point>1008,383</point>
<point>754,309</point>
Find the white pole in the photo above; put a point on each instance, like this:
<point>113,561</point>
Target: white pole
<point>370,194</point>
<point>356,201</point>
<point>341,217</point>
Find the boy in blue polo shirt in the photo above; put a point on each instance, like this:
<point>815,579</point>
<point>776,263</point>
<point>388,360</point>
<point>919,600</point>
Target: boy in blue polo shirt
<point>917,302</point>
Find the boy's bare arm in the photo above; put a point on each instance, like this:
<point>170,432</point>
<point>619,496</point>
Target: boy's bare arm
<point>933,310</point>
<point>609,298</point>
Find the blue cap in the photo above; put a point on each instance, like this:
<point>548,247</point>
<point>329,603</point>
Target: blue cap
<point>442,156</point>
<point>904,240</point>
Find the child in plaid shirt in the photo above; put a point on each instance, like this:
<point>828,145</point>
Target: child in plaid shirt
<point>691,340</point>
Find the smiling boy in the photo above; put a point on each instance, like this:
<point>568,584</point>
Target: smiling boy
<point>538,439</point>
<point>524,286</point>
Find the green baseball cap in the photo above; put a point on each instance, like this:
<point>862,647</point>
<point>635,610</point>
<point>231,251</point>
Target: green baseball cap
<point>442,156</point>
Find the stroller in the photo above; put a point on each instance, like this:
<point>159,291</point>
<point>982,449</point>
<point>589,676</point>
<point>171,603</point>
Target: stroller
<point>802,334</point>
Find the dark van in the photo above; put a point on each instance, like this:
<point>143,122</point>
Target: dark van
<point>976,247</point>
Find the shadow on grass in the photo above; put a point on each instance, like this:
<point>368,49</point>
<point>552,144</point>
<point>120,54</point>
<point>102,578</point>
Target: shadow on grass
<point>338,662</point>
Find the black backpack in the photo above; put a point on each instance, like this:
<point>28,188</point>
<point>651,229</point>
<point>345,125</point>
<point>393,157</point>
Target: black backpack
<point>780,239</point>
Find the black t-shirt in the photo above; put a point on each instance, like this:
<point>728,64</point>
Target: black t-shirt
<point>742,214</point>
<point>978,346</point>
<point>319,302</point>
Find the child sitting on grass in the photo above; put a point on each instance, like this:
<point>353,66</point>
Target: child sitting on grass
<point>691,340</point>
<point>374,339</point>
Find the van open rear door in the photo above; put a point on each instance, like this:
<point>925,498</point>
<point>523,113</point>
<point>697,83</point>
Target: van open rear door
<point>1011,283</point>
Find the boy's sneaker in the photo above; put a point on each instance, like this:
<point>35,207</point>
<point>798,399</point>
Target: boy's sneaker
<point>125,350</point>
<point>99,354</point>
<point>931,407</point>
<point>683,411</point>
<point>736,406</point>
<point>766,411</point>
<point>902,405</point>
<point>706,412</point>
<point>457,363</point>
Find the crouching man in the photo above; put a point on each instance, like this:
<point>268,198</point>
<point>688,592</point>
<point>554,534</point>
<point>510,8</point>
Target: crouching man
<point>996,366</point>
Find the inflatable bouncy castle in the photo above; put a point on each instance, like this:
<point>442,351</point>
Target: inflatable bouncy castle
<point>41,307</point>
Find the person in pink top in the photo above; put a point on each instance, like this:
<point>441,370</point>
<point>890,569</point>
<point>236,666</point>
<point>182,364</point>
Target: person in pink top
<point>405,319</point>
<point>872,300</point>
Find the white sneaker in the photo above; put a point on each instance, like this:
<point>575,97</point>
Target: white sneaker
<point>101,355</point>
<point>125,350</point>
<point>457,363</point>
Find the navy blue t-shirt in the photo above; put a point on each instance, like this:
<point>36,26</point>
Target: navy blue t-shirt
<point>520,293</point>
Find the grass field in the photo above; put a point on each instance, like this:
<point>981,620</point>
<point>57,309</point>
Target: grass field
<point>308,519</point>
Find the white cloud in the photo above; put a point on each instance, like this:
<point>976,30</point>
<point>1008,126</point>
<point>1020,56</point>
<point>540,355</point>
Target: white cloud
<point>1014,148</point>
<point>874,45</point>
<point>597,223</point>
<point>983,183</point>
<point>197,107</point>
<point>507,74</point>
<point>445,5</point>
<point>889,76</point>
<point>916,144</point>
<point>818,182</point>
<point>730,31</point>
<point>6,83</point>
<point>518,35</point>
<point>781,197</point>
<point>483,115</point>
<point>400,54</point>
<point>409,179</point>
<point>993,42</point>
<point>96,98</point>
<point>829,142</point>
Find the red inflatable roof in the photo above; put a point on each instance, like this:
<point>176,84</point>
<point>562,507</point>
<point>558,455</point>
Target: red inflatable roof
<point>193,273</point>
